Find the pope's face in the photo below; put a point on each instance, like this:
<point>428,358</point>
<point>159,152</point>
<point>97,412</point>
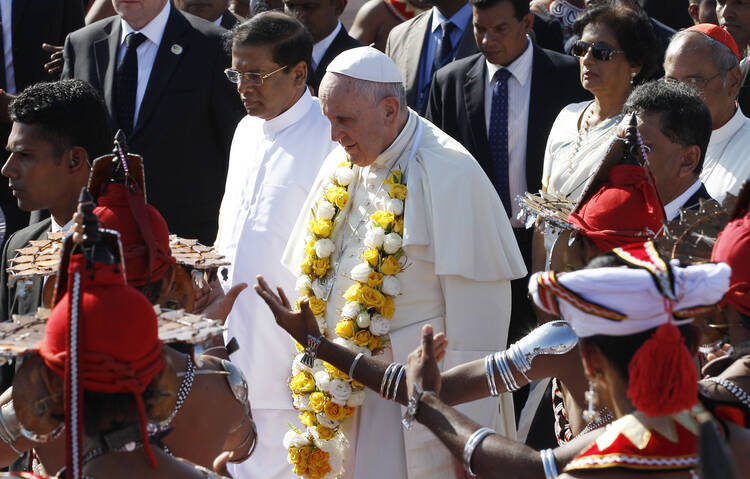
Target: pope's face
<point>357,123</point>
<point>138,13</point>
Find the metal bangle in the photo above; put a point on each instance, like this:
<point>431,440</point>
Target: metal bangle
<point>519,360</point>
<point>354,364</point>
<point>474,440</point>
<point>394,391</point>
<point>507,375</point>
<point>252,432</point>
<point>489,372</point>
<point>385,377</point>
<point>548,463</point>
<point>10,428</point>
<point>311,351</point>
<point>394,371</point>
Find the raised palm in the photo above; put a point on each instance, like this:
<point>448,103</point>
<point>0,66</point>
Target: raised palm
<point>299,324</point>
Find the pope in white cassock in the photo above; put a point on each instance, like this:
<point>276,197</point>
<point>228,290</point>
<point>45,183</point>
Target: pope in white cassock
<point>276,153</point>
<point>460,253</point>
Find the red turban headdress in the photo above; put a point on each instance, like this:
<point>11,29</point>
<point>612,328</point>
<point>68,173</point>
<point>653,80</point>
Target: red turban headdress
<point>733,247</point>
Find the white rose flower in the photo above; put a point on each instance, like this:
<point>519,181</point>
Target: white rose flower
<point>326,421</point>
<point>336,460</point>
<point>380,325</point>
<point>344,175</point>
<point>363,349</point>
<point>298,365</point>
<point>318,289</point>
<point>375,237</point>
<point>291,438</point>
<point>361,272</point>
<point>351,309</point>
<point>340,391</point>
<point>318,366</point>
<point>303,284</point>
<point>391,285</point>
<point>363,319</point>
<point>395,206</point>
<point>323,380</point>
<point>392,243</point>
<point>325,210</point>
<point>356,398</point>
<point>322,325</point>
<point>324,247</point>
<point>302,402</point>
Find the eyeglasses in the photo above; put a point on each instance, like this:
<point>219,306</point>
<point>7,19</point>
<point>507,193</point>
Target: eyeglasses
<point>253,79</point>
<point>696,82</point>
<point>600,51</point>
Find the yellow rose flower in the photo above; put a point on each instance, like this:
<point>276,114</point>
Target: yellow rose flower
<point>372,297</point>
<point>398,191</point>
<point>335,372</point>
<point>300,470</point>
<point>317,401</point>
<point>398,227</point>
<point>324,432</point>
<point>354,293</point>
<point>297,345</point>
<point>307,264</point>
<point>374,343</point>
<point>346,163</point>
<point>388,308</point>
<point>362,338</point>
<point>345,328</point>
<point>310,248</point>
<point>372,256</point>
<point>383,219</point>
<point>294,456</point>
<point>303,382</point>
<point>320,267</point>
<point>357,385</point>
<point>318,306</point>
<point>321,228</point>
<point>308,418</point>
<point>334,411</point>
<point>374,279</point>
<point>390,265</point>
<point>338,196</point>
<point>349,411</point>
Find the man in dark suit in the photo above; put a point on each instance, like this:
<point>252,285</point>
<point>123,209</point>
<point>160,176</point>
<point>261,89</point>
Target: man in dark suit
<point>26,26</point>
<point>161,74</point>
<point>215,11</point>
<point>321,17</point>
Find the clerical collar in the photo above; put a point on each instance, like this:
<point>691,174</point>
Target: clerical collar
<point>394,152</point>
<point>728,129</point>
<point>279,123</point>
<point>154,30</point>
<point>56,228</point>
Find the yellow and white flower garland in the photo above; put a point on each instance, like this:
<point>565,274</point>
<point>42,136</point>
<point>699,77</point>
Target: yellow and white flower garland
<point>324,395</point>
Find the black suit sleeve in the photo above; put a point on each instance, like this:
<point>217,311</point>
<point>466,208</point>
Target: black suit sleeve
<point>4,293</point>
<point>68,70</point>
<point>434,111</point>
<point>73,18</point>
<point>227,108</point>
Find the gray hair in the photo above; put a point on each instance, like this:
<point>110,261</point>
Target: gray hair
<point>378,91</point>
<point>723,59</point>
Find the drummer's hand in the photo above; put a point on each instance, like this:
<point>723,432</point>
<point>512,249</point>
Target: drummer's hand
<point>217,305</point>
<point>422,367</point>
<point>220,464</point>
<point>300,323</point>
<point>55,65</point>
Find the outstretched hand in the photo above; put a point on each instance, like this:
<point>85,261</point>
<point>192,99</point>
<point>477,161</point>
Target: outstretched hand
<point>299,324</point>
<point>422,367</point>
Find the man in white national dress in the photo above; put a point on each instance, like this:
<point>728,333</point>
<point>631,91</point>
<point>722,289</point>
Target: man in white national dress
<point>276,152</point>
<point>459,255</point>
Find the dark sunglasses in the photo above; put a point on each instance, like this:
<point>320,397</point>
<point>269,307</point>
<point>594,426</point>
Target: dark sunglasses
<point>600,51</point>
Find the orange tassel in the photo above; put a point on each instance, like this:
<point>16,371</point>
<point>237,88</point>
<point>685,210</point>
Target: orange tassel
<point>663,378</point>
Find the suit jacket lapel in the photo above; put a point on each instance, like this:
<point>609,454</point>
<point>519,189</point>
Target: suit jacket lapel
<point>165,64</point>
<point>416,36</point>
<point>474,85</point>
<point>468,45</point>
<point>105,55</point>
<point>331,53</point>
<point>542,88</point>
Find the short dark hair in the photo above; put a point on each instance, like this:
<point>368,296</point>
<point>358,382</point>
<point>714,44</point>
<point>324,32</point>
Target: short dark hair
<point>70,112</point>
<point>520,7</point>
<point>684,118</point>
<point>633,31</point>
<point>291,41</point>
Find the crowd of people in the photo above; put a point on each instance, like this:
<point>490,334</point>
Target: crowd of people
<point>508,238</point>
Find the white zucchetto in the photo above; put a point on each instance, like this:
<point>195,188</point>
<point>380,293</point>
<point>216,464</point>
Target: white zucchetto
<point>366,63</point>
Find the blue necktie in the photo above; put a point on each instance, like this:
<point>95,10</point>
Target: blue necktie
<point>498,137</point>
<point>444,49</point>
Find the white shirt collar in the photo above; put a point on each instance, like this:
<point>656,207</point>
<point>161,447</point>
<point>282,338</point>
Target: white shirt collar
<point>56,228</point>
<point>291,116</point>
<point>672,209</point>
<point>320,48</point>
<point>729,128</point>
<point>154,30</point>
<point>218,20</point>
<point>520,68</point>
<point>460,19</point>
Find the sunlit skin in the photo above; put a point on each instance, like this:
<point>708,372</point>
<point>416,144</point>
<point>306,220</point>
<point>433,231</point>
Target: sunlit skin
<point>500,36</point>
<point>688,59</point>
<point>40,176</point>
<point>138,13</point>
<point>363,127</point>
<point>319,16</point>
<point>210,10</point>
<point>278,93</point>
<point>703,11</point>
<point>735,16</point>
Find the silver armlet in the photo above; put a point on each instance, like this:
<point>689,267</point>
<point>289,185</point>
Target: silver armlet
<point>354,364</point>
<point>506,374</point>
<point>10,428</point>
<point>472,444</point>
<point>394,371</point>
<point>489,372</point>
<point>548,462</point>
<point>237,383</point>
<point>311,350</point>
<point>553,338</point>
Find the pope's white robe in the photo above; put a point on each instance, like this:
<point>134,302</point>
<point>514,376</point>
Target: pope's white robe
<point>461,256</point>
<point>726,167</point>
<point>272,166</point>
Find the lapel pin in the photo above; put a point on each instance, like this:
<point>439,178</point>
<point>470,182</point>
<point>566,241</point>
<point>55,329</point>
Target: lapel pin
<point>176,49</point>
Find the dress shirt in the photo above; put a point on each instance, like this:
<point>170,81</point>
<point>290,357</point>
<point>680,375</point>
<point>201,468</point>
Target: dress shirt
<point>6,10</point>
<point>672,209</point>
<point>320,48</point>
<point>272,166</point>
<point>519,93</point>
<point>154,31</point>
<point>726,168</point>
<point>218,20</point>
<point>56,228</point>
<point>462,20</point>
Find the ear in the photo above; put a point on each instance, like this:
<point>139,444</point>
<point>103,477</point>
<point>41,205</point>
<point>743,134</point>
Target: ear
<point>528,22</point>
<point>391,108</point>
<point>79,160</point>
<point>300,74</point>
<point>693,12</point>
<point>734,82</point>
<point>339,6</point>
<point>592,360</point>
<point>691,155</point>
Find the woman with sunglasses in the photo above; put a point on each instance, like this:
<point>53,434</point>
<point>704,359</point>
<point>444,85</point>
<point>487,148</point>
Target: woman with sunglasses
<point>617,50</point>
